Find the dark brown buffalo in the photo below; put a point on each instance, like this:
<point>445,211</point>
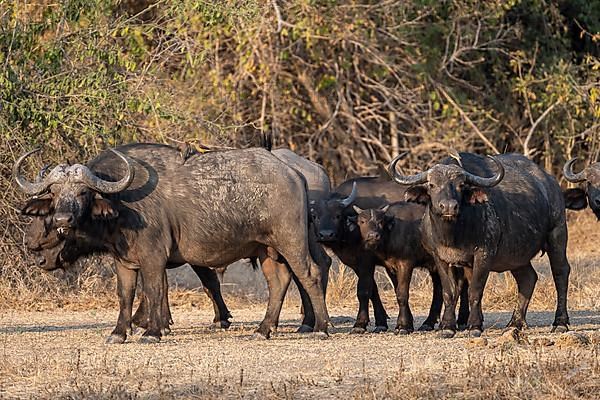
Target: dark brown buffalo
<point>51,251</point>
<point>580,198</point>
<point>491,214</point>
<point>330,220</point>
<point>392,233</point>
<point>148,211</point>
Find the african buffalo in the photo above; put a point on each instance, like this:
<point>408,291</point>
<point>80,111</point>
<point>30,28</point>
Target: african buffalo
<point>578,199</point>
<point>392,233</point>
<point>150,211</point>
<point>496,223</point>
<point>330,221</point>
<point>51,251</point>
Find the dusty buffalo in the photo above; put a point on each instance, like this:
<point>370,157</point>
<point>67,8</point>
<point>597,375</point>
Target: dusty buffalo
<point>392,233</point>
<point>52,250</point>
<point>330,220</point>
<point>580,198</point>
<point>150,211</point>
<point>491,214</point>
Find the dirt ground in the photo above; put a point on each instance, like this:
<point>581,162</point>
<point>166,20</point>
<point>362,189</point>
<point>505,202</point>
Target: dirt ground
<point>61,354</point>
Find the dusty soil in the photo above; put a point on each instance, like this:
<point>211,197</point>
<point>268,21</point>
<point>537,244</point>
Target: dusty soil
<point>61,354</point>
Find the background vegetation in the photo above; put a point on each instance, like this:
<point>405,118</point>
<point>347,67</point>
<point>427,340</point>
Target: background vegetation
<point>348,84</point>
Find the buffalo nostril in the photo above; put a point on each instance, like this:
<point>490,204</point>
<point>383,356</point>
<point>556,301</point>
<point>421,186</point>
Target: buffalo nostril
<point>41,260</point>
<point>442,206</point>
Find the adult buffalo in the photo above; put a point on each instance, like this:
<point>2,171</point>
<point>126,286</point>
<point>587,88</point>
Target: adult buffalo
<point>491,214</point>
<point>393,234</point>
<point>52,250</point>
<point>580,198</point>
<point>150,211</point>
<point>330,221</point>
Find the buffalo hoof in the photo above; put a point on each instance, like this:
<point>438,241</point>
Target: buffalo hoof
<point>305,329</point>
<point>357,330</point>
<point>559,329</point>
<point>380,329</point>
<point>165,331</point>
<point>116,339</point>
<point>447,333</point>
<point>402,331</point>
<point>475,333</point>
<point>221,325</point>
<point>259,336</point>
<point>149,339</point>
<point>426,328</point>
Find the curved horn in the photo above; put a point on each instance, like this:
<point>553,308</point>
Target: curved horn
<point>108,187</point>
<point>348,200</point>
<point>570,175</point>
<point>417,179</point>
<point>487,182</point>
<point>30,188</point>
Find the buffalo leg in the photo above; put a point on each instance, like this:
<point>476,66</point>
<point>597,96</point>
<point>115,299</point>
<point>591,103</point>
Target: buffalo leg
<point>126,281</point>
<point>557,243</point>
<point>449,295</point>
<point>364,290</point>
<point>154,290</point>
<point>405,323</point>
<point>212,287</point>
<point>481,272</point>
<point>278,282</point>
<point>436,303</point>
<point>308,315</point>
<point>526,278</point>
<point>309,276</point>
<point>324,263</point>
<point>141,316</point>
<point>463,287</point>
<point>167,318</point>
<point>381,316</point>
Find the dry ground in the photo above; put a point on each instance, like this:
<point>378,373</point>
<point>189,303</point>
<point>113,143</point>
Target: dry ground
<point>62,355</point>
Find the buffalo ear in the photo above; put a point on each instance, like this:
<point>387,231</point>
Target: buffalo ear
<point>575,199</point>
<point>477,196</point>
<point>37,206</point>
<point>417,194</point>
<point>103,208</point>
<point>351,223</point>
<point>389,222</point>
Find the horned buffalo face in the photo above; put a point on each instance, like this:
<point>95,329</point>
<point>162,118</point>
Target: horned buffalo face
<point>577,199</point>
<point>327,216</point>
<point>70,192</point>
<point>373,225</point>
<point>45,243</point>
<point>446,188</point>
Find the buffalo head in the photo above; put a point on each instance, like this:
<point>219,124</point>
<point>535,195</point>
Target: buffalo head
<point>45,243</point>
<point>445,187</point>
<point>327,215</point>
<point>70,192</point>
<point>372,225</point>
<point>577,199</point>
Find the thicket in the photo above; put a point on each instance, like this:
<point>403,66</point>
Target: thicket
<point>348,84</point>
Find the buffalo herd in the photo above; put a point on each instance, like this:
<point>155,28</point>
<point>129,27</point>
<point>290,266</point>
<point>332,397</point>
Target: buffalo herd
<point>461,219</point>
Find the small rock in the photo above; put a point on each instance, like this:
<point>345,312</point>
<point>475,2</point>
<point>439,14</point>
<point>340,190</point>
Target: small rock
<point>572,339</point>
<point>594,337</point>
<point>542,342</point>
<point>477,342</point>
<point>512,336</point>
